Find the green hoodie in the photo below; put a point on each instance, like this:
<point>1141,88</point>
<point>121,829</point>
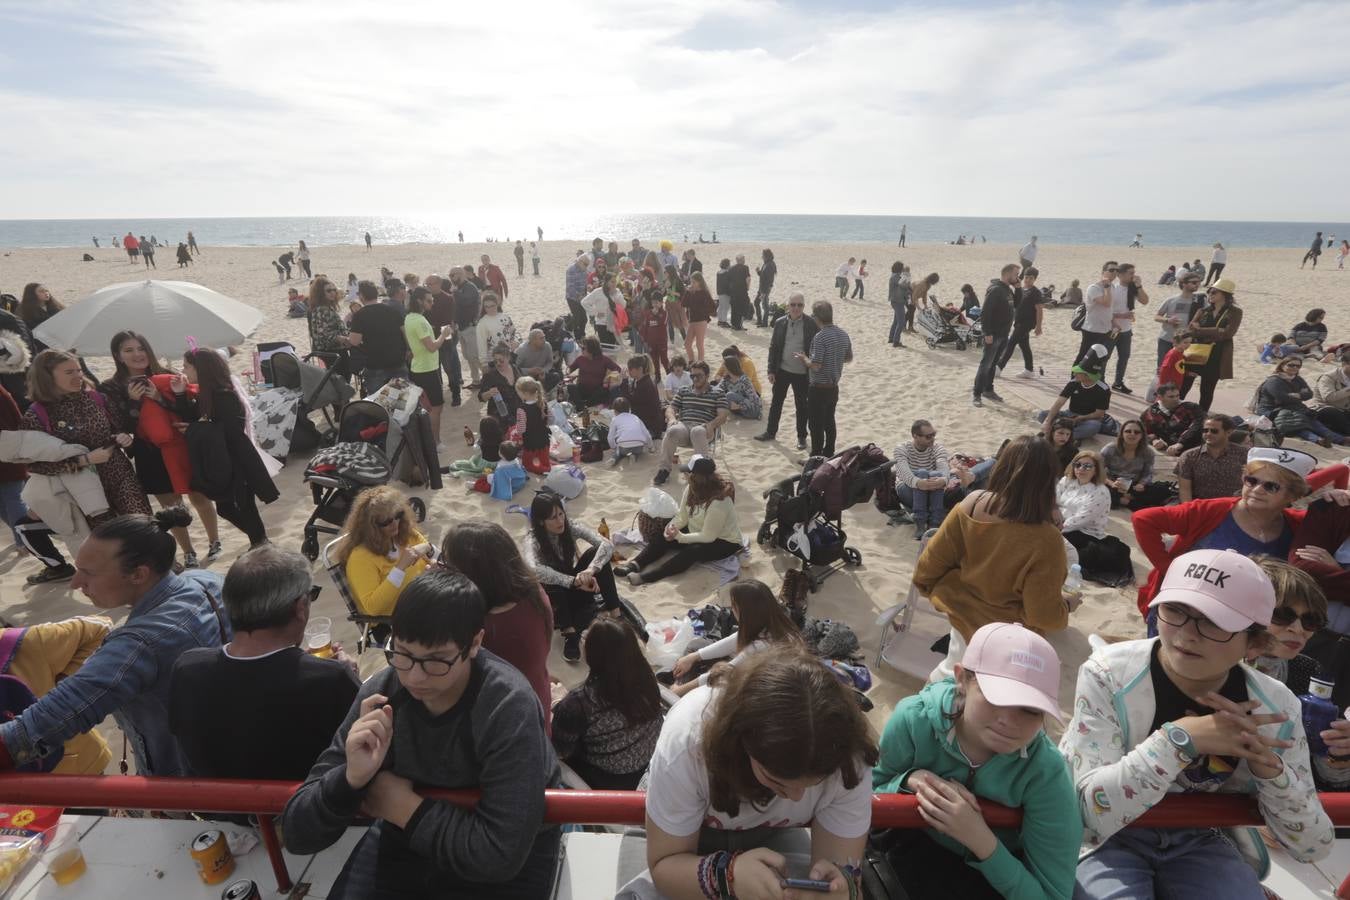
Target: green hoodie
<point>1037,861</point>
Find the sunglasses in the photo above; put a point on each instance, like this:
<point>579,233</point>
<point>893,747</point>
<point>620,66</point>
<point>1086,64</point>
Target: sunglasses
<point>1270,487</point>
<point>385,523</point>
<point>1285,615</point>
<point>1085,465</point>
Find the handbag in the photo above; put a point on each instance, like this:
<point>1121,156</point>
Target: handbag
<point>1197,354</point>
<point>1079,317</point>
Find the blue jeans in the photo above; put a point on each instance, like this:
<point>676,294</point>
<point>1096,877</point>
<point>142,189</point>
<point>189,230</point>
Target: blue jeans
<point>1082,430</point>
<point>1124,340</point>
<point>897,324</point>
<point>981,472</point>
<point>374,379</point>
<point>450,363</point>
<point>1317,430</point>
<point>926,505</point>
<point>1142,863</point>
<point>12,508</point>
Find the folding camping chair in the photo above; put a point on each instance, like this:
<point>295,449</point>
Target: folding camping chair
<point>370,629</point>
<point>910,630</point>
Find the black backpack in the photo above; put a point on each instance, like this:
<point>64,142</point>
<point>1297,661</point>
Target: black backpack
<point>1079,316</point>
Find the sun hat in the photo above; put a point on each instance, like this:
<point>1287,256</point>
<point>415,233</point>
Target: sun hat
<point>1227,285</point>
<point>1223,585</point>
<point>1296,461</point>
<point>1015,666</point>
<point>699,465</point>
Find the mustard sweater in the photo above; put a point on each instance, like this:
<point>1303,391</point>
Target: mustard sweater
<point>375,582</point>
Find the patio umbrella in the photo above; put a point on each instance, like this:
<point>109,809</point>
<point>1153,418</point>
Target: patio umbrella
<point>166,312</point>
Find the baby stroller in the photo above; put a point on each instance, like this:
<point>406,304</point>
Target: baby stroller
<point>337,474</point>
<point>318,389</point>
<point>804,514</point>
<point>940,326</point>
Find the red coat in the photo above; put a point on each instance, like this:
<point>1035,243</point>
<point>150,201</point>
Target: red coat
<point>495,278</point>
<point>156,425</point>
<point>1326,525</point>
<point>1189,522</point>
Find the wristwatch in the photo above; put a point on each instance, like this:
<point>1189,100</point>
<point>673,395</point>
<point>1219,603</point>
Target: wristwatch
<point>1181,739</point>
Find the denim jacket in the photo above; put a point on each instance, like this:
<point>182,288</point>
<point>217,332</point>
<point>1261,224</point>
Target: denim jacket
<point>129,677</point>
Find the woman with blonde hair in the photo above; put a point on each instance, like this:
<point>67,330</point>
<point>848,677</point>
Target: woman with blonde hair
<point>1084,502</point>
<point>381,550</point>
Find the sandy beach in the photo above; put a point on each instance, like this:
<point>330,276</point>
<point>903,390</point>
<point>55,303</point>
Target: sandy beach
<point>882,392</point>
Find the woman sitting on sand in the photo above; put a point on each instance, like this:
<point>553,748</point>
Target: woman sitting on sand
<point>593,368</point>
<point>1129,470</point>
<point>998,556</point>
<point>1084,503</point>
<point>762,622</point>
<point>703,530</point>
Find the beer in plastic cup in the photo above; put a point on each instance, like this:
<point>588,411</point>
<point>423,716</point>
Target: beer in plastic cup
<point>319,637</point>
<point>62,855</point>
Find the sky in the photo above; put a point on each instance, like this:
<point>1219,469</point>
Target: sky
<point>1205,110</point>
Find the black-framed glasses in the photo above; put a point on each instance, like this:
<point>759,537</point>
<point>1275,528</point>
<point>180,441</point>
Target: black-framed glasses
<point>434,666</point>
<point>1177,616</point>
<point>385,523</point>
<point>1270,487</point>
<point>1284,616</point>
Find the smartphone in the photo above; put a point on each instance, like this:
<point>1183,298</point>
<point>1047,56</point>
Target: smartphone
<point>807,884</point>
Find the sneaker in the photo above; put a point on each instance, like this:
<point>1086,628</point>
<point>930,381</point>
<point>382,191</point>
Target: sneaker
<point>976,401</point>
<point>1025,373</point>
<point>764,436</point>
<point>1122,388</point>
<point>454,400</point>
<point>213,552</point>
<point>614,460</point>
<point>63,572</point>
<point>920,528</point>
<point>661,476</point>
<point>572,647</point>
<point>189,560</point>
<point>993,396</point>
<point>635,579</point>
<point>623,570</point>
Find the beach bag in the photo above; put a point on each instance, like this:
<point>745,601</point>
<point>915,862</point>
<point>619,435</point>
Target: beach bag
<point>655,510</point>
<point>793,595</point>
<point>1197,355</point>
<point>1107,561</point>
<point>594,443</point>
<point>566,481</point>
<point>1079,317</point>
<point>560,447</point>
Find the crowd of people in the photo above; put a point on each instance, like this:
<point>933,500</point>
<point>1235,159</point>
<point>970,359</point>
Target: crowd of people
<point>759,764</point>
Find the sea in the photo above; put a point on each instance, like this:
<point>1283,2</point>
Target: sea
<point>682,227</point>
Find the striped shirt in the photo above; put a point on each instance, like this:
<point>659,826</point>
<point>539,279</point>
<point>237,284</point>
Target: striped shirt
<point>831,348</point>
<point>694,408</point>
<point>910,459</point>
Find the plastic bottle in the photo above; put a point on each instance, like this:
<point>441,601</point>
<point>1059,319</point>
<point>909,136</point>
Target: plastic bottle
<point>1318,714</point>
<point>500,403</point>
<point>468,435</point>
<point>1073,585</point>
<point>576,454</point>
<point>604,528</point>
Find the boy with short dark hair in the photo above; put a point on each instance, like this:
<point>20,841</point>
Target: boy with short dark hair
<point>445,714</point>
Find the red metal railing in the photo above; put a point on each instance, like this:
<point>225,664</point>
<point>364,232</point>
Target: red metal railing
<point>267,798</point>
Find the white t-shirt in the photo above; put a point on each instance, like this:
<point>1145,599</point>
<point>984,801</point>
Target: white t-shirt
<point>678,794</point>
<point>844,271</point>
<point>1120,307</point>
<point>672,382</point>
<point>1028,253</point>
<point>1219,256</point>
<point>1098,317</point>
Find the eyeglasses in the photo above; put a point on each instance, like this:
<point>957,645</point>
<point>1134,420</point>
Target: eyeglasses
<point>1176,616</point>
<point>431,665</point>
<point>796,306</point>
<point>1285,615</point>
<point>1085,464</point>
<point>385,523</point>
<point>1270,487</point>
<point>1210,430</point>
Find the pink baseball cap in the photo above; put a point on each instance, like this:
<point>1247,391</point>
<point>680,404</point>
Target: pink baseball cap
<point>1015,666</point>
<point>1222,585</point>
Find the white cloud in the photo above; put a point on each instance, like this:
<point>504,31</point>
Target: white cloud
<point>1202,110</point>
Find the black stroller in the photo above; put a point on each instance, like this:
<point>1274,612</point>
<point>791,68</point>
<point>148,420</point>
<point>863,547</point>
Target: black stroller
<point>804,514</point>
<point>338,473</point>
<point>321,390</point>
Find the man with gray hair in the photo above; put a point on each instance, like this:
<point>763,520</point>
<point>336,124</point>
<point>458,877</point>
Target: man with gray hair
<point>261,707</point>
<point>738,286</point>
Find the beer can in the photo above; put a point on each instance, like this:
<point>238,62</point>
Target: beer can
<point>241,890</point>
<point>212,855</point>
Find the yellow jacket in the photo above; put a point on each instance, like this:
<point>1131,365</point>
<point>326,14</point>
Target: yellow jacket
<point>51,651</point>
<point>368,574</point>
<point>748,367</point>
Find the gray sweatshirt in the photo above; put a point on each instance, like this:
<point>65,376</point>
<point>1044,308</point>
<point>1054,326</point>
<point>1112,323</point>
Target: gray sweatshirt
<point>492,739</point>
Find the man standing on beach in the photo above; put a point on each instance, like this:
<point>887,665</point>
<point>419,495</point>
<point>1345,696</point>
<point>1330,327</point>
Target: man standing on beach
<point>520,259</point>
<point>902,235</point>
<point>576,289</point>
<point>996,317</point>
<point>443,313</point>
<point>1027,255</point>
<point>638,254</point>
<point>468,306</point>
<point>738,284</point>
<point>792,337</point>
<point>1097,318</point>
<point>830,350</point>
<point>492,274</point>
<point>1314,251</point>
<point>767,272</point>
<point>368,242</point>
<point>1125,293</point>
<point>1027,317</point>
<point>192,244</point>
<point>539,230</point>
<point>843,277</point>
<point>377,329</point>
<point>1178,311</point>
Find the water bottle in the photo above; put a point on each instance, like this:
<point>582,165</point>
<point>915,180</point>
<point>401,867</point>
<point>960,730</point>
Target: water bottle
<point>1073,585</point>
<point>1318,714</point>
<point>500,403</point>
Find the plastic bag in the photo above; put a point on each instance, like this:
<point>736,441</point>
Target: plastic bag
<point>560,447</point>
<point>566,481</point>
<point>667,640</point>
<point>658,504</point>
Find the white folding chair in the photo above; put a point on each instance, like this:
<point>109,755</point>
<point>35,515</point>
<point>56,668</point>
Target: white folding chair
<point>910,629</point>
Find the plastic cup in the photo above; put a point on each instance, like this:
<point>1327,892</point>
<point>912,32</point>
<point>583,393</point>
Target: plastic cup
<point>319,637</point>
<point>61,854</point>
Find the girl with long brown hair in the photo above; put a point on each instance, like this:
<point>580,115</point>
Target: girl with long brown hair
<point>519,622</point>
<point>774,744</point>
<point>700,307</point>
<point>761,621</point>
<point>606,729</point>
<point>703,530</point>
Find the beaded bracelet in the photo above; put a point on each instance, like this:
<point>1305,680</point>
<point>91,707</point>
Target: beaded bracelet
<point>731,875</point>
<point>706,884</point>
<point>720,871</point>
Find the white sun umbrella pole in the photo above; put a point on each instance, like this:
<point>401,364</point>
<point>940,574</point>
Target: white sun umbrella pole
<point>168,313</point>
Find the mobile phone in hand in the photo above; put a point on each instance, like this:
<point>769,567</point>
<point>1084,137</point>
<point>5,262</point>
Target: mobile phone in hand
<point>807,884</point>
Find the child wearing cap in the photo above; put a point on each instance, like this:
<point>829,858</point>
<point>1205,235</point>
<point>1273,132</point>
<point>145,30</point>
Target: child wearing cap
<point>1180,713</point>
<point>981,736</point>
